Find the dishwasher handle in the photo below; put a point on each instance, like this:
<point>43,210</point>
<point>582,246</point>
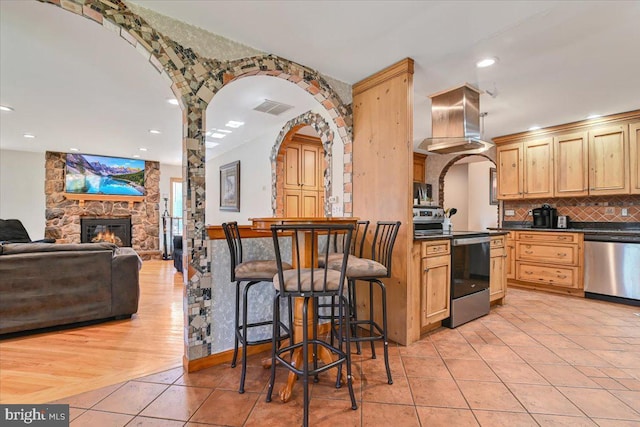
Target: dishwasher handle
<point>614,238</point>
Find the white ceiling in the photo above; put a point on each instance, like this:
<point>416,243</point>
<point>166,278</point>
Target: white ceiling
<point>558,62</point>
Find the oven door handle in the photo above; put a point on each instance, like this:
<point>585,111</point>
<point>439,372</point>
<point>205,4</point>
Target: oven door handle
<point>471,240</point>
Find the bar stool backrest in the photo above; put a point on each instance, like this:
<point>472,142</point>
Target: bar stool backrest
<point>232,233</point>
<point>383,241</point>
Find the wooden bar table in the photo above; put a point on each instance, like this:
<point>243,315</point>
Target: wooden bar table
<point>263,224</point>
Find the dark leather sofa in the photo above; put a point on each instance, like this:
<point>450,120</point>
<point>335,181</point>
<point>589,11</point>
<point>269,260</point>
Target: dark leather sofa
<point>44,284</point>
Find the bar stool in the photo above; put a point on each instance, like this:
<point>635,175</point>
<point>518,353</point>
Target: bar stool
<point>253,272</point>
<point>307,282</point>
<point>371,271</point>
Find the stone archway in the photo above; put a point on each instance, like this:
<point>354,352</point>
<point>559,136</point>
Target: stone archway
<point>446,168</point>
<point>320,125</point>
<point>194,81</point>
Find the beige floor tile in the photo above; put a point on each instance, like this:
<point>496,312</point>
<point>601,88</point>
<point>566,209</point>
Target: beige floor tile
<point>226,407</point>
<point>451,350</point>
<point>165,377</point>
<point>543,399</point>
<point>445,417</point>
<point>154,422</point>
<point>620,359</point>
<point>380,391</point>
<point>90,398</point>
<point>209,377</point>
<point>609,384</point>
<point>131,398</point>
<point>177,403</point>
<point>489,396</point>
<point>517,373</point>
<point>631,398</point>
<point>331,413</point>
<point>598,403</point>
<point>615,423</point>
<point>563,421</point>
<point>577,356</point>
<point>538,355</point>
<point>425,367</point>
<point>384,414</point>
<point>501,353</point>
<point>472,370</point>
<point>255,381</point>
<point>93,418</point>
<point>75,413</point>
<point>437,392</point>
<point>504,419</point>
<point>422,348</point>
<point>560,375</point>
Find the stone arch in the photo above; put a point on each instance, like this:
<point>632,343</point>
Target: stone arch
<point>446,168</point>
<point>321,126</point>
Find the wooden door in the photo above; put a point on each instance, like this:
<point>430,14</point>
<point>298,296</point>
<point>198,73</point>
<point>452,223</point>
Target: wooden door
<point>510,174</point>
<point>303,179</point>
<point>634,158</point>
<point>310,167</point>
<point>608,161</point>
<point>538,168</point>
<point>292,203</point>
<point>292,166</point>
<point>436,272</point>
<point>571,159</point>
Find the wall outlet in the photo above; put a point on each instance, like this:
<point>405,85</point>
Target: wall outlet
<point>333,199</point>
<point>336,210</point>
<point>624,212</point>
<point>509,212</point>
<point>609,210</point>
<point>530,212</point>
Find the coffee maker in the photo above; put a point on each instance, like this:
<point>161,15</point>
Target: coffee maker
<point>545,217</point>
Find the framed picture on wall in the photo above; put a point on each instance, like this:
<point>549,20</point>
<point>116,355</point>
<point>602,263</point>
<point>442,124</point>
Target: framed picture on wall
<point>230,187</point>
<point>493,186</point>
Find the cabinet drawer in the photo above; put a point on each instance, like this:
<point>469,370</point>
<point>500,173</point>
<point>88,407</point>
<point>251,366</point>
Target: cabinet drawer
<point>544,236</point>
<point>558,276</point>
<point>497,242</point>
<point>500,251</point>
<point>551,253</point>
<point>438,247</point>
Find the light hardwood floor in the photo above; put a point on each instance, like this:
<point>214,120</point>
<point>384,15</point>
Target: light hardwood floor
<point>40,368</point>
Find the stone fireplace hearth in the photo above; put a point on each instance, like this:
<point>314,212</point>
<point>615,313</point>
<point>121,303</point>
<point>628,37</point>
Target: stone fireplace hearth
<point>64,216</point>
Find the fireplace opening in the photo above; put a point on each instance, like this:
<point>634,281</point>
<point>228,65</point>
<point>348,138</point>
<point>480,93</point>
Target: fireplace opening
<point>112,230</point>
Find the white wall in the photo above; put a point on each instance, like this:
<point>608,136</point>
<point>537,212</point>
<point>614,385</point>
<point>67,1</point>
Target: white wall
<point>456,195</point>
<point>484,215</point>
<point>22,178</point>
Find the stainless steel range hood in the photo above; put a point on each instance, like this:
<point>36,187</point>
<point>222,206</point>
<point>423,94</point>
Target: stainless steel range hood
<point>455,122</point>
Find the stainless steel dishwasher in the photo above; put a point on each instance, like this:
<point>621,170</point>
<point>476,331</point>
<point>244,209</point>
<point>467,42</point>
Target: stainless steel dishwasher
<point>612,267</point>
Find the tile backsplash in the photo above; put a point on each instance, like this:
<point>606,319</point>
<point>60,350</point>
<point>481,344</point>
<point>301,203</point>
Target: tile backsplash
<point>580,209</point>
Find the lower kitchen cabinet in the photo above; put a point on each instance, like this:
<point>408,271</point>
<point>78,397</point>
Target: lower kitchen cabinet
<point>510,263</point>
<point>498,271</point>
<point>548,260</point>
<point>435,282</point>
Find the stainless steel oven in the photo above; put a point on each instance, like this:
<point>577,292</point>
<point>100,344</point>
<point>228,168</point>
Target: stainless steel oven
<point>469,277</point>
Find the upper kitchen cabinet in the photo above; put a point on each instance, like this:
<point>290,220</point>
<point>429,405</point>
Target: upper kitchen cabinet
<point>571,164</point>
<point>592,157</point>
<point>525,169</point>
<point>634,146</point>
<point>419,167</point>
<point>609,161</point>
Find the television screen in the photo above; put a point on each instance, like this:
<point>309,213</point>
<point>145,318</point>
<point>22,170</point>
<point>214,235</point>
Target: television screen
<point>88,174</point>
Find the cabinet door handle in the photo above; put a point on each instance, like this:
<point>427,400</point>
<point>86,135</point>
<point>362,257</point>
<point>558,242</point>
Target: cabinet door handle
<point>562,276</point>
<point>563,238</point>
<point>528,272</point>
<point>426,269</point>
<point>526,237</point>
<point>504,256</point>
<point>528,252</point>
<point>561,254</point>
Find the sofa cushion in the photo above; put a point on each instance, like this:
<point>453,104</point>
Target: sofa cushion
<point>23,248</point>
<point>12,230</point>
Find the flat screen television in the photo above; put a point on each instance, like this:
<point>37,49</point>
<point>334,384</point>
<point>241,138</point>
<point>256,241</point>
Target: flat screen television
<point>89,174</point>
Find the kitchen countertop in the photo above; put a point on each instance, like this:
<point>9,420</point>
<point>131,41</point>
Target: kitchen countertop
<point>621,232</point>
<point>455,234</point>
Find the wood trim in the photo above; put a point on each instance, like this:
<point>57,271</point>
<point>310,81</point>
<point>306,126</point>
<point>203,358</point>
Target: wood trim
<point>399,68</point>
<point>574,126</point>
<point>215,232</point>
<point>306,139</point>
<point>103,198</point>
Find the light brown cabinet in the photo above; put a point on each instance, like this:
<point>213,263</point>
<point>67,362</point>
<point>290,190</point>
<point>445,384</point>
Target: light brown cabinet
<point>525,169</point>
<point>498,272</point>
<point>549,260</point>
<point>634,151</point>
<point>303,180</point>
<point>609,160</point>
<point>510,263</point>
<point>435,282</point>
<point>419,167</point>
<point>571,154</point>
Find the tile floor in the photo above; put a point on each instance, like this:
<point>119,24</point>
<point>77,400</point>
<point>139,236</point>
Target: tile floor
<point>541,359</point>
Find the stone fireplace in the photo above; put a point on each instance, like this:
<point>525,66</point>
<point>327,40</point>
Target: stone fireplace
<point>113,230</point>
<point>65,215</point>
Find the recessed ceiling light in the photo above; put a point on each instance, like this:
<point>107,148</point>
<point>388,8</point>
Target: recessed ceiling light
<point>593,116</point>
<point>487,62</point>
<point>29,135</point>
<point>136,156</point>
<point>209,144</point>
<point>233,124</point>
<point>534,127</point>
<point>73,149</point>
<point>218,135</point>
<point>172,101</point>
<point>6,108</point>
<point>223,130</point>
<point>143,149</point>
<point>155,131</point>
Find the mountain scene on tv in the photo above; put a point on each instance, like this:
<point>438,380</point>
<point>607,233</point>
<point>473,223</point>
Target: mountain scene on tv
<point>104,175</point>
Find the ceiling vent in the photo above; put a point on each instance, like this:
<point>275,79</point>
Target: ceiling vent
<point>455,122</point>
<point>273,107</point>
